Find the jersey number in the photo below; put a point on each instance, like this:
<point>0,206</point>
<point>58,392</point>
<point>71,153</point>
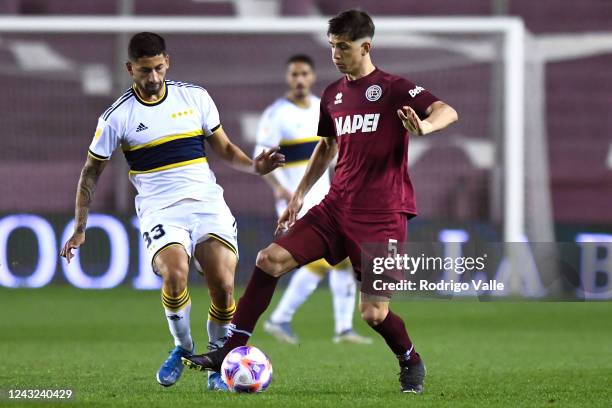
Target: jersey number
<point>157,231</point>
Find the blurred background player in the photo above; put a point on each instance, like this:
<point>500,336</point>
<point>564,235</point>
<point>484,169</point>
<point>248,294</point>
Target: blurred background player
<point>365,118</point>
<point>291,122</point>
<point>161,126</point>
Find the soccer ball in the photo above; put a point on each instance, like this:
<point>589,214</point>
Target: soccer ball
<point>246,369</point>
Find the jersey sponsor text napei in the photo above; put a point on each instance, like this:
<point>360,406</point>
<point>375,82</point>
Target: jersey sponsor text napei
<point>354,123</point>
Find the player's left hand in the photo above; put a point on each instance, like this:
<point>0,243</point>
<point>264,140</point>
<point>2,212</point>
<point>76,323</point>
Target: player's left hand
<point>268,160</point>
<point>412,123</point>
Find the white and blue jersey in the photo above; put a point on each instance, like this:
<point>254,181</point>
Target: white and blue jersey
<point>163,143</point>
<point>179,201</point>
<point>294,129</point>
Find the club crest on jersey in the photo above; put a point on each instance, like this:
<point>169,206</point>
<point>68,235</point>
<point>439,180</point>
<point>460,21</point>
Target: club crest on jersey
<point>338,98</point>
<point>373,93</point>
<point>354,123</point>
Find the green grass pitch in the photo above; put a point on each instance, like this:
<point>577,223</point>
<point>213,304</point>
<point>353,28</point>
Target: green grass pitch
<point>107,346</point>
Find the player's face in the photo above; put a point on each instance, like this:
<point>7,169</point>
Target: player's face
<point>300,78</point>
<point>149,73</point>
<point>348,55</point>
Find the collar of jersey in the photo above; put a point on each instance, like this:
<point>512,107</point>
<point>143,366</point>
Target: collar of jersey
<point>358,81</point>
<point>145,103</point>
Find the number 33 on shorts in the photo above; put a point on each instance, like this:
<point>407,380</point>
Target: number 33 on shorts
<point>157,236</point>
<point>156,233</point>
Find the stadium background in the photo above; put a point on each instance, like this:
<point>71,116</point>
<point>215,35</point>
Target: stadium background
<point>106,345</point>
<point>56,85</point>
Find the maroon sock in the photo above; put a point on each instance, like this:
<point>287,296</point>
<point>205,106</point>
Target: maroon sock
<point>393,330</point>
<point>252,304</point>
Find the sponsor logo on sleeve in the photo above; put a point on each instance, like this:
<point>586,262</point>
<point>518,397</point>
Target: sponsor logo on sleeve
<point>417,90</point>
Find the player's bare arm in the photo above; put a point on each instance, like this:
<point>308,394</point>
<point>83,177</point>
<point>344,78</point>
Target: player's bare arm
<point>321,158</point>
<point>267,161</point>
<point>439,116</point>
<point>85,191</point>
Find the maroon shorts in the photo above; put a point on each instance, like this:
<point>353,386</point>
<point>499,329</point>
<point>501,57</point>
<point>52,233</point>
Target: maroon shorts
<point>327,231</point>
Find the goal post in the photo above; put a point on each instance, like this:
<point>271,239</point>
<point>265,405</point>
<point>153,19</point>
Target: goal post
<point>510,29</point>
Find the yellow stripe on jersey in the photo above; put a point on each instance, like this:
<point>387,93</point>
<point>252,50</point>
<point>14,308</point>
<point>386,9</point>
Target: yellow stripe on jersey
<point>299,141</point>
<point>296,163</point>
<point>171,166</point>
<point>164,139</point>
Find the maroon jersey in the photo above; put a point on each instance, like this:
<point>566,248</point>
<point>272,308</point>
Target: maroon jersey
<point>372,170</point>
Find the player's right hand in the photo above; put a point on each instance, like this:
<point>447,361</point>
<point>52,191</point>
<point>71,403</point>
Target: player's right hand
<point>289,216</point>
<point>76,240</point>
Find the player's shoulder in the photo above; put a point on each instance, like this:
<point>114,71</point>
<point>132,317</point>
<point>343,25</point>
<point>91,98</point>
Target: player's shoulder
<point>331,90</point>
<point>186,87</point>
<point>119,105</point>
<point>402,83</point>
<point>394,79</point>
<point>401,86</point>
<point>332,87</point>
<point>277,107</point>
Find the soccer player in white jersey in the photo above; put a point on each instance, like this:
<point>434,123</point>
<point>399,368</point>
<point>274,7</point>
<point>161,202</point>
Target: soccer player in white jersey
<point>291,122</point>
<point>161,126</point>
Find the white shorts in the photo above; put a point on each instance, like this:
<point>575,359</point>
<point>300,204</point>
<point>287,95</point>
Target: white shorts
<point>187,223</point>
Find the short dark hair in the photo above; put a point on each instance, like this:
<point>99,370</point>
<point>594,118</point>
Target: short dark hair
<point>306,59</point>
<point>353,23</point>
<point>146,44</point>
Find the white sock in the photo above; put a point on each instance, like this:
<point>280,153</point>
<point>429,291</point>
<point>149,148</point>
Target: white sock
<point>219,322</point>
<point>302,284</point>
<point>177,311</point>
<point>343,289</point>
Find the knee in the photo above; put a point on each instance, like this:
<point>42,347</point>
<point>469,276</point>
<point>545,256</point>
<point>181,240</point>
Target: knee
<point>269,262</point>
<point>223,290</point>
<point>373,315</point>
<point>175,279</point>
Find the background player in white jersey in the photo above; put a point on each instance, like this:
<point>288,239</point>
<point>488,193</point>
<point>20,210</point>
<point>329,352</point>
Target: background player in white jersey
<point>161,127</point>
<point>291,122</point>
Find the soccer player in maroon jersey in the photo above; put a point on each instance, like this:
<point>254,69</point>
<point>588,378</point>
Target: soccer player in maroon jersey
<point>365,117</point>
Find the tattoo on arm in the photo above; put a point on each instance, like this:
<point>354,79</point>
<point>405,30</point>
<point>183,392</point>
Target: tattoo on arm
<point>85,191</point>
